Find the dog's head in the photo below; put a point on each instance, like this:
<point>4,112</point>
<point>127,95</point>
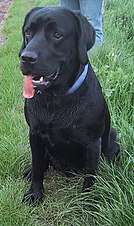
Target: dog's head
<point>54,38</point>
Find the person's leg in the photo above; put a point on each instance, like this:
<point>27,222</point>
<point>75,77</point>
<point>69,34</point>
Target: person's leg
<point>92,10</point>
<point>71,4</point>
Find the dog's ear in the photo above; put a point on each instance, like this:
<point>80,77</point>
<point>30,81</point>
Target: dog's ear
<point>86,37</point>
<point>23,45</point>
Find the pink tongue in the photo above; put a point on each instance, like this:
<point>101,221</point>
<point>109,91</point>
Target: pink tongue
<point>28,90</point>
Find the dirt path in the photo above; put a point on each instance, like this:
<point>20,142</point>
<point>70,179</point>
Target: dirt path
<point>4,7</point>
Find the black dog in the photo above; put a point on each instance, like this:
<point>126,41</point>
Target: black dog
<point>64,107</point>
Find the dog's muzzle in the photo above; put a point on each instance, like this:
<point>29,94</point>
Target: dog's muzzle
<point>45,81</point>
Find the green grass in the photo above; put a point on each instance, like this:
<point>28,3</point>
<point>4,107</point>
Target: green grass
<point>111,201</point>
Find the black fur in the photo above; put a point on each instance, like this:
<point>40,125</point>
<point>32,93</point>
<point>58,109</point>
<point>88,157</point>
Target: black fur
<point>71,131</point>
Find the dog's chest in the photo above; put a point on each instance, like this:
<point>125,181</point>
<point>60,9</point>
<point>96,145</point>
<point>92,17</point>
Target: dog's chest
<point>55,124</point>
<point>53,115</point>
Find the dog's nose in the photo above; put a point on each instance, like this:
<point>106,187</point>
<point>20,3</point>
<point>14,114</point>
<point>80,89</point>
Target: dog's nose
<point>29,57</point>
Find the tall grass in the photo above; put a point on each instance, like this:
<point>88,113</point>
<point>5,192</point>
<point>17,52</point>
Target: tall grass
<point>111,200</point>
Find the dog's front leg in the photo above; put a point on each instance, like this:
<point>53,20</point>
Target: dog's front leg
<point>39,161</point>
<point>91,162</point>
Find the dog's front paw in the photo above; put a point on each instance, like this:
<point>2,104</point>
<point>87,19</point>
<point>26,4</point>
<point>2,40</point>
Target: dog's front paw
<point>33,197</point>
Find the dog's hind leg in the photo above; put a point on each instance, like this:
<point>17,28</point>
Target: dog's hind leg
<point>91,163</point>
<point>113,146</point>
<point>110,147</point>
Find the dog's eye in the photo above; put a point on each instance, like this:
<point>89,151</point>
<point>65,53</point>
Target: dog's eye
<point>27,33</point>
<point>57,35</point>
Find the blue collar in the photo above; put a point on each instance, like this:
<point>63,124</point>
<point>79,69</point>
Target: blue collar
<point>79,81</point>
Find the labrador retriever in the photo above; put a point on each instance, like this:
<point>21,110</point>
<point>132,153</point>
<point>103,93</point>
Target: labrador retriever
<point>68,118</point>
